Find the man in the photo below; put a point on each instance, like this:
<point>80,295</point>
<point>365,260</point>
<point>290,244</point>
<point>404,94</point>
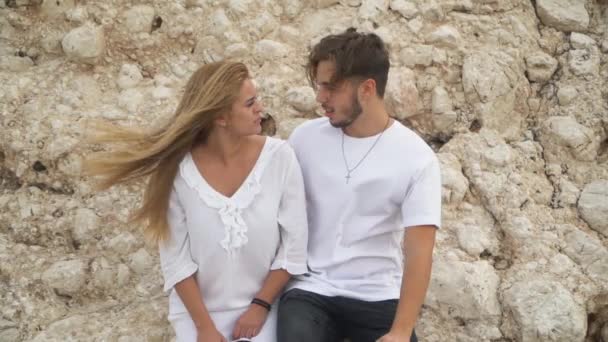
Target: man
<point>374,202</point>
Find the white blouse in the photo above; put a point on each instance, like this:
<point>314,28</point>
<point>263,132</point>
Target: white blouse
<point>231,243</point>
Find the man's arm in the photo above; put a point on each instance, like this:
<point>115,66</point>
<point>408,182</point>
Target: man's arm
<point>418,243</point>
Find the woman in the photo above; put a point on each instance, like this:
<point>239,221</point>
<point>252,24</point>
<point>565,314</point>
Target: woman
<point>226,205</point>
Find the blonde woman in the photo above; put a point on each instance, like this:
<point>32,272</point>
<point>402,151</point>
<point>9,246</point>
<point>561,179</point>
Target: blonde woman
<point>226,205</point>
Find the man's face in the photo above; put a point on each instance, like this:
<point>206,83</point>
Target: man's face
<point>339,101</point>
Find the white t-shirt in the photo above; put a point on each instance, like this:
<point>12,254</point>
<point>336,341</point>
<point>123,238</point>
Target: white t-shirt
<point>233,242</point>
<point>356,229</point>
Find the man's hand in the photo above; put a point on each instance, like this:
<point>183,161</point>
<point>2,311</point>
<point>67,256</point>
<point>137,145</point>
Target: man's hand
<point>250,323</point>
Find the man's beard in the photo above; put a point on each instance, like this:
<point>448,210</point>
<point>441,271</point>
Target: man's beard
<point>355,111</point>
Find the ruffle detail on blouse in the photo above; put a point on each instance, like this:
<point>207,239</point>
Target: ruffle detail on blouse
<point>230,208</point>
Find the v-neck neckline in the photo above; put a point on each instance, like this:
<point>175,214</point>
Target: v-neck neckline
<point>243,183</point>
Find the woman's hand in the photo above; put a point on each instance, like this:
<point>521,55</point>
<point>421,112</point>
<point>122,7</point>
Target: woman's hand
<point>250,323</point>
<point>209,335</point>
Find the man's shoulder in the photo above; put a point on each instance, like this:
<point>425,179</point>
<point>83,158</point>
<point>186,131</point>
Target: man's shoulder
<point>308,129</point>
<point>312,125</point>
<point>412,143</point>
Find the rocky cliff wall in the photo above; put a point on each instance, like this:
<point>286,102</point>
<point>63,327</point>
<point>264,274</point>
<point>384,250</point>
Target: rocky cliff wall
<point>512,94</point>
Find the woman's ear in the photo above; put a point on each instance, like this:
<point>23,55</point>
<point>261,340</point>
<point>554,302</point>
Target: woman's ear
<point>221,121</point>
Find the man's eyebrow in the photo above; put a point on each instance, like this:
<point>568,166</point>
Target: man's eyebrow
<point>251,99</point>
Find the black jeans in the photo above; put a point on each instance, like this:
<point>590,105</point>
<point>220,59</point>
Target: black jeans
<point>306,317</point>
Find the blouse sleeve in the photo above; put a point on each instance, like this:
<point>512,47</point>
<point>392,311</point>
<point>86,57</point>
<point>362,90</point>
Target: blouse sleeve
<point>293,224</point>
<point>175,258</point>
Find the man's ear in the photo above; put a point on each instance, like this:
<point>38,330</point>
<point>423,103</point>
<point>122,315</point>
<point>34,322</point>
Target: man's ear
<point>367,89</point>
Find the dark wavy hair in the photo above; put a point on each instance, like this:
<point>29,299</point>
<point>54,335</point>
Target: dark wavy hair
<point>356,55</point>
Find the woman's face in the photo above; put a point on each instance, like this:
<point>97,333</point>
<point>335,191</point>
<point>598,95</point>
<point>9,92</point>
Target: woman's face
<point>246,115</point>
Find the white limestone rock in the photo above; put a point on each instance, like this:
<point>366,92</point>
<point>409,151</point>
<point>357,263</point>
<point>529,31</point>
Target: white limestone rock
<point>417,55</point>
<point>593,206</point>
<point>291,8</point>
<point>566,94</point>
<point>584,62</point>
<point>240,6</point>
<point>208,49</point>
<point>406,8</point>
<point>491,82</point>
<point>605,50</point>
<point>124,243</point>
<point>129,76</point>
<point>50,43</point>
<point>565,131</point>
<point>141,261</point>
<point>61,145</point>
<point>161,93</point>
<point>351,3</point>
<point>78,15</point>
<point>289,34</point>
<point>568,192</point>
<point>432,10</point>
<point>218,24</point>
<point>237,50</point>
<point>581,41</point>
<point>123,275</point>
<point>15,63</point>
<point>444,122</point>
<point>475,239</point>
<point>85,44</point>
<point>545,310</point>
<point>587,252</point>
<point>269,50</point>
<point>130,100</point>
<point>373,9</point>
<point>139,19</point>
<point>454,183</point>
<point>55,8</point>
<point>445,36</point>
<point>86,226</point>
<point>263,24</point>
<point>564,15</point>
<point>540,67</point>
<point>66,277</point>
<point>103,274</point>
<point>441,102</point>
<point>496,157</point>
<point>9,333</point>
<point>401,93</point>
<point>301,98</point>
<point>324,3</point>
<point>465,289</point>
<point>57,330</point>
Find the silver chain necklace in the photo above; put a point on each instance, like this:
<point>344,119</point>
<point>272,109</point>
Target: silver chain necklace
<point>349,170</point>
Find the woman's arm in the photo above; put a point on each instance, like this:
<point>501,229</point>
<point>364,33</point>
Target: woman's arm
<point>250,323</point>
<point>190,295</point>
<point>273,285</point>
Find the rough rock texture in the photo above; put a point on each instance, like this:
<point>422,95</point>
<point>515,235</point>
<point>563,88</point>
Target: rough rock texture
<point>565,15</point>
<point>512,95</point>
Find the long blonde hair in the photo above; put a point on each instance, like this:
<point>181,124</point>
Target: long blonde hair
<point>210,92</point>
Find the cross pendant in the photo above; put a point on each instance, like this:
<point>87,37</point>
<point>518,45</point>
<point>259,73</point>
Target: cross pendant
<point>347,177</point>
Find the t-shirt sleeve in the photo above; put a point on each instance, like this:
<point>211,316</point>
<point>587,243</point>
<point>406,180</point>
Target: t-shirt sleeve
<point>422,202</point>
<point>292,220</point>
<point>175,257</point>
